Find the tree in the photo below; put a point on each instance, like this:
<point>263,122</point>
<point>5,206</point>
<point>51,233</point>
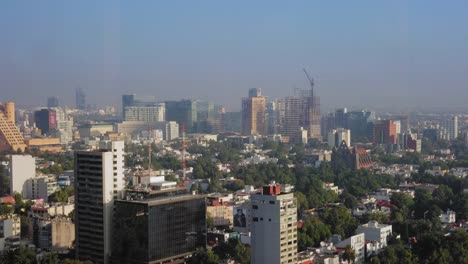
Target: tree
<point>6,209</point>
<point>349,255</point>
<point>233,250</point>
<point>313,231</point>
<point>203,256</point>
<point>340,220</point>
<point>20,255</point>
<point>403,203</point>
<point>59,196</point>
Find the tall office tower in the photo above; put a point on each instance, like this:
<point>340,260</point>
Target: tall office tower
<point>311,117</point>
<point>52,101</point>
<point>46,120</point>
<point>129,100</point>
<point>99,180</point>
<point>155,113</point>
<point>183,112</point>
<point>404,122</point>
<point>231,122</point>
<point>10,136</point>
<point>274,225</point>
<point>271,118</point>
<point>253,113</point>
<point>360,123</point>
<point>451,125</point>
<point>337,136</point>
<point>208,117</point>
<point>80,99</point>
<point>22,168</point>
<point>158,226</point>
<point>385,132</point>
<point>290,116</point>
<point>328,123</point>
<point>340,117</point>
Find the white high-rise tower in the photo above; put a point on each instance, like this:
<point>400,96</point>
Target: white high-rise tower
<point>99,180</point>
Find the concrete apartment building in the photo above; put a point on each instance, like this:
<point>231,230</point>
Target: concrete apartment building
<point>99,180</point>
<point>274,226</point>
<point>57,233</point>
<point>373,231</point>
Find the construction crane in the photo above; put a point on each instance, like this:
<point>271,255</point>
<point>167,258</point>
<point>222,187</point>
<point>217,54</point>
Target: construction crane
<point>311,81</point>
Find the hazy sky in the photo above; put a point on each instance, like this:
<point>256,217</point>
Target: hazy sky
<point>361,53</point>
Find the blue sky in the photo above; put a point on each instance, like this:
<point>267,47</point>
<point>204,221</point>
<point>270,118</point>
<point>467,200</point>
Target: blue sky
<point>361,53</point>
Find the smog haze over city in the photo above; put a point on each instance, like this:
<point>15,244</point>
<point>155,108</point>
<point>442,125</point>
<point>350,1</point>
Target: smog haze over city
<point>394,55</point>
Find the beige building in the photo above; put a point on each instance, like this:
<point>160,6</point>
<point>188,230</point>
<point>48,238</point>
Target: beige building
<point>253,113</point>
<point>57,234</point>
<point>274,226</point>
<point>10,136</point>
<point>221,214</point>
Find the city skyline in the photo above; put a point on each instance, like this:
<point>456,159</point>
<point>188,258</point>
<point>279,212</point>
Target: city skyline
<point>361,54</point>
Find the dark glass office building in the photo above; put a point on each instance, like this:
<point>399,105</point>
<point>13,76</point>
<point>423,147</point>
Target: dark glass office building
<point>164,229</point>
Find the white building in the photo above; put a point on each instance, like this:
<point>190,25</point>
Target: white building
<point>40,187</point>
<point>336,136</point>
<point>99,179</point>
<point>357,243</point>
<point>373,231</point>
<point>155,113</point>
<point>22,168</point>
<point>449,217</point>
<point>451,127</point>
<point>10,226</point>
<point>65,131</point>
<point>274,226</point>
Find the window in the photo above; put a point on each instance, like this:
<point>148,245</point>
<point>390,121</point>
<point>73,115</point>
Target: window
<point>255,206</point>
<point>272,202</point>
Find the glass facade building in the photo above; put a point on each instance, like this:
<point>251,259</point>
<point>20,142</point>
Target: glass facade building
<point>158,230</point>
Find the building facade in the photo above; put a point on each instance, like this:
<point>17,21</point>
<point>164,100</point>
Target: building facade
<point>154,113</point>
<point>274,226</point>
<point>337,136</point>
<point>183,112</point>
<point>10,227</point>
<point>253,113</point>
<point>10,136</point>
<point>164,228</point>
<point>99,180</point>
<point>22,168</point>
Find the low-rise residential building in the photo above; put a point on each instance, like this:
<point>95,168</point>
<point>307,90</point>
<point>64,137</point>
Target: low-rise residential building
<point>357,243</point>
<point>448,217</point>
<point>10,227</point>
<point>55,233</point>
<point>373,231</point>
